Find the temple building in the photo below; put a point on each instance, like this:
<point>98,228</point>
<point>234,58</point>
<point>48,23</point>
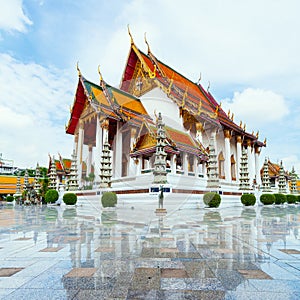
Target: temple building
<point>126,117</point>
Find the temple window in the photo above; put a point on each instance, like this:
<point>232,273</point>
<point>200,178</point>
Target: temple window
<point>233,167</point>
<point>221,165</point>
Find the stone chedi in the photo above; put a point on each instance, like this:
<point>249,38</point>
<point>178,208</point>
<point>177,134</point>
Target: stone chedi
<point>213,182</point>
<point>72,183</point>
<point>282,180</point>
<point>52,175</point>
<point>105,169</point>
<point>244,173</point>
<point>160,172</point>
<point>37,185</point>
<point>266,177</point>
<point>293,187</point>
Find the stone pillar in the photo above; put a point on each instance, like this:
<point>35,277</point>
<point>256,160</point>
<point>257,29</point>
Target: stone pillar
<point>238,155</point>
<point>89,162</point>
<point>173,163</point>
<point>227,163</point>
<point>79,150</point>
<point>98,149</point>
<point>257,169</point>
<point>132,165</point>
<point>118,151</point>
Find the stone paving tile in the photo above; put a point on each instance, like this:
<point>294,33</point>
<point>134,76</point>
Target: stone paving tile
<point>290,251</point>
<point>7,272</point>
<point>146,279</point>
<point>51,249</point>
<point>81,272</point>
<point>173,273</point>
<point>254,274</point>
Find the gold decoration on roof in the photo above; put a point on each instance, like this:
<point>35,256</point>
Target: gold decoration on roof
<point>99,72</point>
<point>199,107</point>
<point>228,114</point>
<point>257,134</point>
<point>170,85</point>
<point>232,116</point>
<point>241,124</point>
<point>265,141</point>
<point>149,51</point>
<point>244,128</point>
<point>78,70</point>
<point>152,74</point>
<point>131,39</point>
<point>198,82</point>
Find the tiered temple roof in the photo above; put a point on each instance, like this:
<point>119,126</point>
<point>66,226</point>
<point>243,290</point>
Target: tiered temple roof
<point>143,72</point>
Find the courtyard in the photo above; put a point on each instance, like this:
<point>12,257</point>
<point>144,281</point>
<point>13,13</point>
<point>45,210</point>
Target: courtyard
<point>86,252</point>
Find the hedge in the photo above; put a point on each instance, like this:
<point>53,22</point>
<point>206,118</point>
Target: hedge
<point>267,199</point>
<point>109,199</point>
<point>290,199</point>
<point>70,198</point>
<point>10,198</point>
<point>51,196</point>
<point>248,199</point>
<point>212,199</point>
<point>280,198</point>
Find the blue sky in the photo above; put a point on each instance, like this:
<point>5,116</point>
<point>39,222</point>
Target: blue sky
<point>247,50</point>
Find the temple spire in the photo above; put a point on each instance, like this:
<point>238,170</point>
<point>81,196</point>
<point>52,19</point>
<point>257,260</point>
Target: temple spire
<point>149,51</point>
<point>131,39</point>
<point>52,174</point>
<point>37,185</point>
<point>293,188</point>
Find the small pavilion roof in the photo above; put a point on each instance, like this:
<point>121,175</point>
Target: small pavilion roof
<point>107,101</point>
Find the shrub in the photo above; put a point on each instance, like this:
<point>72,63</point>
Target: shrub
<point>51,196</point>
<point>290,199</point>
<point>280,198</point>
<point>109,199</point>
<point>248,199</point>
<point>267,199</point>
<point>212,199</point>
<point>298,198</point>
<point>10,198</point>
<point>70,198</point>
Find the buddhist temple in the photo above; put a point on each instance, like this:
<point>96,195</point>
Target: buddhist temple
<point>127,117</point>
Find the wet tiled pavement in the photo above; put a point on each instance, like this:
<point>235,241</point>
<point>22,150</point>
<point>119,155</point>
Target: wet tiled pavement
<point>86,253</point>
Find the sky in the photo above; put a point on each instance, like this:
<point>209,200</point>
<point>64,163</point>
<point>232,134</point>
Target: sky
<point>247,51</point>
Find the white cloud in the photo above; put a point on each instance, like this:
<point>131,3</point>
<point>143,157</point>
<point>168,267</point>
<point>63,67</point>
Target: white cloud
<point>12,16</point>
<point>34,105</point>
<point>257,107</point>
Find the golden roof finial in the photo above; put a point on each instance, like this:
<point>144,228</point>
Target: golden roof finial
<point>131,39</point>
<point>257,134</point>
<point>99,72</point>
<point>244,128</point>
<point>228,114</point>
<point>77,67</point>
<point>198,82</point>
<point>241,124</point>
<point>149,51</point>
<point>232,116</point>
<point>265,141</point>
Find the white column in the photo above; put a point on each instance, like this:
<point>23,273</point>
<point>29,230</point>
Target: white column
<point>89,162</point>
<point>79,150</point>
<point>173,163</point>
<point>199,129</point>
<point>238,155</point>
<point>227,163</point>
<point>139,166</point>
<point>118,150</point>
<point>195,168</point>
<point>185,164</point>
<point>98,150</point>
<point>257,166</point>
<point>132,165</point>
